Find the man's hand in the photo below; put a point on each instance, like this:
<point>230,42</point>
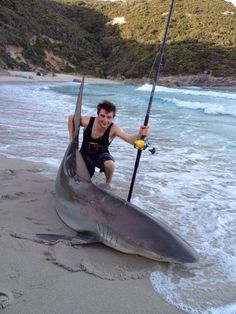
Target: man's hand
<point>143,130</point>
<point>140,142</point>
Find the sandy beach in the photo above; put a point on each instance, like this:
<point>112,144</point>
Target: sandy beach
<point>12,76</point>
<point>201,80</point>
<point>37,277</point>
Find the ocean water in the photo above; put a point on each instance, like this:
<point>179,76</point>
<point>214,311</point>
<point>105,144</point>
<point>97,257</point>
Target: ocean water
<point>190,182</point>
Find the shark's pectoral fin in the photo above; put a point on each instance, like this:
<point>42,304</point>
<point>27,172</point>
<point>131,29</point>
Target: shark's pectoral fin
<point>80,238</point>
<point>54,237</point>
<point>87,237</point>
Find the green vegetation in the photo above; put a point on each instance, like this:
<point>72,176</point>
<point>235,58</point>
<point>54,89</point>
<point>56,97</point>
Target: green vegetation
<point>76,36</point>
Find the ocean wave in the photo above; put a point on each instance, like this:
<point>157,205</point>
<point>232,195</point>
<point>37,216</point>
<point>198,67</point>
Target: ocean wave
<point>188,91</point>
<point>193,283</point>
<point>207,107</point>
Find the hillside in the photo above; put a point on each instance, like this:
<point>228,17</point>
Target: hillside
<point>117,38</point>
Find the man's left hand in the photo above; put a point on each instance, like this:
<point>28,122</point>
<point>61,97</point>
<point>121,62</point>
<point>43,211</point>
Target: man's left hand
<point>143,130</point>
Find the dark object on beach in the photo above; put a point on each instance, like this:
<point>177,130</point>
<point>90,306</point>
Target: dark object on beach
<point>77,80</point>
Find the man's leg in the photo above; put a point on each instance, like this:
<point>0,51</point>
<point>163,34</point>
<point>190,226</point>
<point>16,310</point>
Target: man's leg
<point>109,168</point>
<point>70,125</point>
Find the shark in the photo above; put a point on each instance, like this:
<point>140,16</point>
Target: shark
<point>99,216</point>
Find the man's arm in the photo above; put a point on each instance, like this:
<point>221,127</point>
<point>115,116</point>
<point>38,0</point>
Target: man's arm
<point>118,131</point>
<point>84,120</point>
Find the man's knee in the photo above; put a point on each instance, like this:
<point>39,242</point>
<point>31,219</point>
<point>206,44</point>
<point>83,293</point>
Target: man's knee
<point>70,124</point>
<point>70,121</point>
<point>109,165</point>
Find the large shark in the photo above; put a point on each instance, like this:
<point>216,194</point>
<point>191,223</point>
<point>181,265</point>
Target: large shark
<point>100,216</point>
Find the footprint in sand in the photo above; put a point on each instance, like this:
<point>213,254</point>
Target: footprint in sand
<point>34,170</point>
<point>10,171</point>
<point>6,298</point>
<point>35,221</point>
<point>11,196</point>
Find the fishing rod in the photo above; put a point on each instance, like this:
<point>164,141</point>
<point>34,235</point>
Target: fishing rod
<point>141,145</point>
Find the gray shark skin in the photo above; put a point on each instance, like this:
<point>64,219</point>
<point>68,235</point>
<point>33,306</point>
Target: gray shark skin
<point>100,216</point>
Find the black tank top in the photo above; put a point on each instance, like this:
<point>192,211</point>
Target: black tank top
<point>93,146</point>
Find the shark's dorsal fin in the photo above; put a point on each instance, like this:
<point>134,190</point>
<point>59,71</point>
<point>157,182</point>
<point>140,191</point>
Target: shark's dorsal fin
<point>81,168</point>
<point>77,114</point>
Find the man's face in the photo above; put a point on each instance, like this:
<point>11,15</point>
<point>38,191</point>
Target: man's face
<point>105,118</point>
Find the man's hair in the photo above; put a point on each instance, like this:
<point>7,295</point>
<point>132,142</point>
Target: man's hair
<point>107,106</point>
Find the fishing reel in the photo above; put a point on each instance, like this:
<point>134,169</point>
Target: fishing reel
<point>142,144</point>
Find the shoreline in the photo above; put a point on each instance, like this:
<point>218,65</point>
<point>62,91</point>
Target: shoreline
<point>32,77</point>
<point>36,275</point>
<point>200,80</point>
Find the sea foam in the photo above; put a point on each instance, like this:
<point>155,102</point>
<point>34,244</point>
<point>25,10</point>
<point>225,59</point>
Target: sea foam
<point>188,91</point>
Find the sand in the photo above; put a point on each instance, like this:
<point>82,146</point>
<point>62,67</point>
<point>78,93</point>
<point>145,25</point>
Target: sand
<point>41,277</point>
<point>32,77</point>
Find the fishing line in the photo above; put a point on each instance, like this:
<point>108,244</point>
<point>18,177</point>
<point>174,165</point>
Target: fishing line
<point>155,78</point>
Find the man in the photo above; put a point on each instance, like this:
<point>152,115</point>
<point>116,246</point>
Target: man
<point>99,132</point>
